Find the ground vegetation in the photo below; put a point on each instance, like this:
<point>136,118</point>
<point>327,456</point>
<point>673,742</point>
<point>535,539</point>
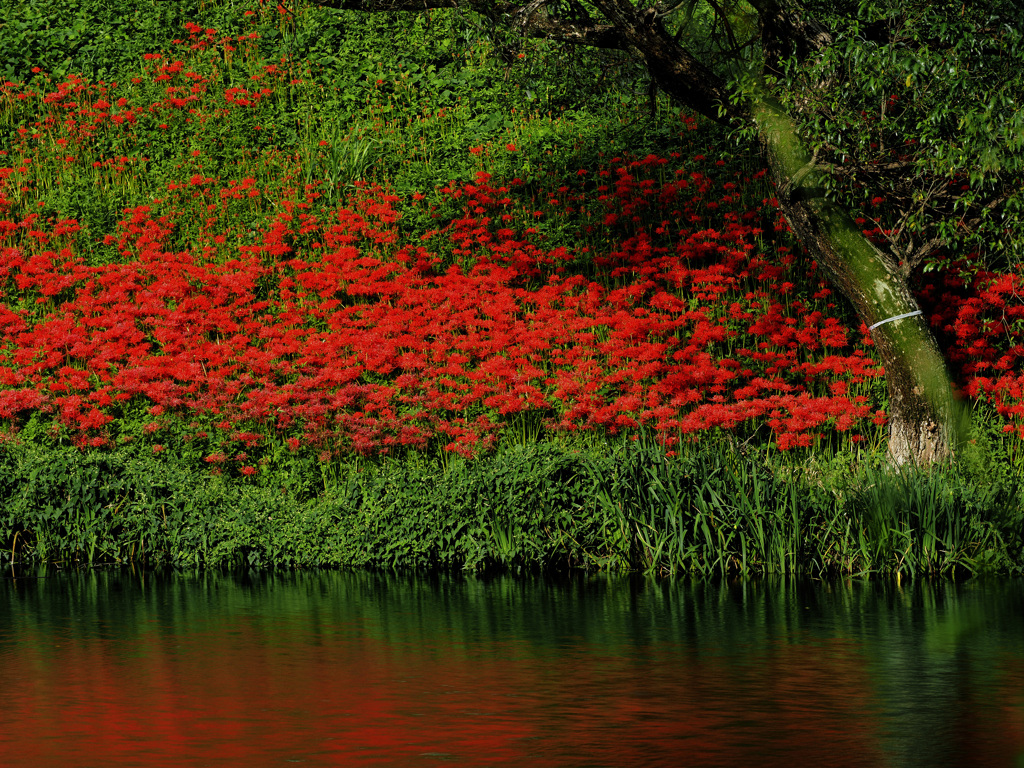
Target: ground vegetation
<point>287,261</point>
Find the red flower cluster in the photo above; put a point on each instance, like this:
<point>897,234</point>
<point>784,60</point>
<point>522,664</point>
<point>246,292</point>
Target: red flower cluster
<point>342,330</point>
<point>642,293</point>
<point>980,314</point>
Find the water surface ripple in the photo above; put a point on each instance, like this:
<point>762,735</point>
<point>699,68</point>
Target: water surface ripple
<point>361,669</point>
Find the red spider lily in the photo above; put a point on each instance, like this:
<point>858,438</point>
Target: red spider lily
<point>332,329</point>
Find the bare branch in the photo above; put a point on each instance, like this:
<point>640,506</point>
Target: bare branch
<point>676,70</point>
<point>912,261</point>
<point>664,10</point>
<point>720,13</point>
<point>530,18</point>
<point>784,31</point>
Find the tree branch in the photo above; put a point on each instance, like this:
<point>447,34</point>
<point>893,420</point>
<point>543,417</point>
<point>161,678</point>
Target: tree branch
<point>785,32</point>
<point>676,70</point>
<point>530,18</point>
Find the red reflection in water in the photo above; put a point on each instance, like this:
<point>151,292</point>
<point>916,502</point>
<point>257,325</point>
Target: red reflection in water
<point>233,699</point>
<point>240,693</point>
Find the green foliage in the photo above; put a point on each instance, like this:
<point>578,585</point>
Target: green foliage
<point>913,522</point>
<point>709,511</point>
<point>99,38</point>
<point>918,103</point>
<point>712,511</point>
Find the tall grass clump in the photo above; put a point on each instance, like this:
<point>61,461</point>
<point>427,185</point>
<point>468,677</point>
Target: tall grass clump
<point>708,511</point>
<point>917,521</point>
<point>713,511</point>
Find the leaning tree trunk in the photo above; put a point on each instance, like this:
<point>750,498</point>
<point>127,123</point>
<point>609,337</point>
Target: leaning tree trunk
<point>924,423</point>
<point>923,420</point>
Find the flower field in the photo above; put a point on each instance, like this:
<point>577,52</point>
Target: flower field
<point>178,272</point>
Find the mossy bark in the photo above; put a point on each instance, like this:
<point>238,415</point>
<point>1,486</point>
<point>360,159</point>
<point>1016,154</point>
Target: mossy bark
<point>923,419</point>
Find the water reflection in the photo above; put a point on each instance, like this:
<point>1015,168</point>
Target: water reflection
<point>383,669</point>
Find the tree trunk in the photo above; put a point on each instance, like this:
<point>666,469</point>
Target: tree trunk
<point>924,423</point>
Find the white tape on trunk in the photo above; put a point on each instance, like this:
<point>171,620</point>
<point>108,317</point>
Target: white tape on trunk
<point>891,319</point>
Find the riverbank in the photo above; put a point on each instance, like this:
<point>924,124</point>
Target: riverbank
<point>281,289</point>
<point>710,511</point>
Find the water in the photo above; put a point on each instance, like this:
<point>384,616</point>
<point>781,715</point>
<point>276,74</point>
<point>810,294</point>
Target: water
<point>101,669</point>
